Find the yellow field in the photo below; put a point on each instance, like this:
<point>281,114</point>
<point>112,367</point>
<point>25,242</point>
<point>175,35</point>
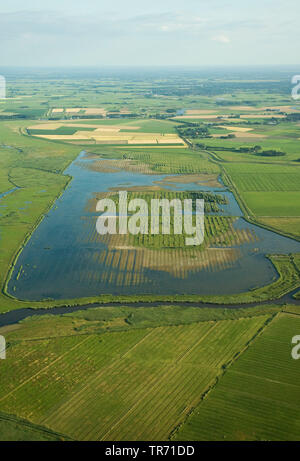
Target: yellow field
<point>199,112</point>
<point>262,109</point>
<point>128,138</point>
<point>240,132</point>
<point>195,116</point>
<point>247,108</point>
<point>232,120</point>
<point>287,109</point>
<point>75,109</point>
<point>262,116</point>
<point>95,112</point>
<point>108,134</point>
<point>87,110</point>
<point>235,128</point>
<point>248,135</point>
<point>46,126</point>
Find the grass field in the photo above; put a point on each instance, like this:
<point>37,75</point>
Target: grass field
<point>268,204</point>
<point>288,145</point>
<point>135,384</point>
<point>265,178</point>
<point>289,225</point>
<point>257,398</point>
<point>139,124</point>
<point>34,169</point>
<point>271,193</point>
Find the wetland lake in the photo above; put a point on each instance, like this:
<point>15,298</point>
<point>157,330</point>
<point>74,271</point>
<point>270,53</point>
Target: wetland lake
<point>65,258</point>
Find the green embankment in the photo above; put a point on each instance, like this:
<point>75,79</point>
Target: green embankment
<point>14,429</point>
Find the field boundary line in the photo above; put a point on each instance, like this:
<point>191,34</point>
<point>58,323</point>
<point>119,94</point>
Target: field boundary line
<point>139,342</point>
<point>31,426</point>
<point>291,313</point>
<point>223,369</point>
<point>157,380</point>
<point>43,369</point>
<point>198,342</point>
<point>95,376</point>
<point>265,379</point>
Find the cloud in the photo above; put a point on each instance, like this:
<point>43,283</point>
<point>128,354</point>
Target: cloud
<point>57,24</point>
<point>168,22</point>
<point>49,23</point>
<point>221,39</point>
<point>172,36</point>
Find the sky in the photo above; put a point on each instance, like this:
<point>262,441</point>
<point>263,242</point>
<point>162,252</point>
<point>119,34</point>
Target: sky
<point>149,33</point>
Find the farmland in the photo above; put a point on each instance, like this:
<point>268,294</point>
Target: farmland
<point>65,395</point>
<point>257,398</point>
<point>270,193</point>
<point>265,178</point>
<point>274,203</point>
<point>102,134</point>
<point>209,367</point>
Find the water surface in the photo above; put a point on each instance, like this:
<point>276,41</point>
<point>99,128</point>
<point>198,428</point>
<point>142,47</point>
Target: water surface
<point>61,261</point>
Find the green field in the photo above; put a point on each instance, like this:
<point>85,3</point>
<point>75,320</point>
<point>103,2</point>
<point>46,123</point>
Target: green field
<point>257,398</point>
<point>153,126</point>
<point>269,193</point>
<point>281,204</point>
<point>289,146</point>
<point>34,168</point>
<point>265,178</point>
<point>68,130</point>
<point>129,385</point>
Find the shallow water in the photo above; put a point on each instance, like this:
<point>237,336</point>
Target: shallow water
<point>60,261</point>
<point>4,194</point>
